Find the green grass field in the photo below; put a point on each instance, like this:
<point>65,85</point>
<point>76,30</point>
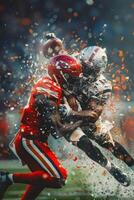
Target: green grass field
<point>77,187</point>
<point>67,192</point>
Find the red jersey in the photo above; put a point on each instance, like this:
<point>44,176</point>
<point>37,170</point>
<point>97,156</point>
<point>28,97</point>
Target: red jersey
<point>33,121</point>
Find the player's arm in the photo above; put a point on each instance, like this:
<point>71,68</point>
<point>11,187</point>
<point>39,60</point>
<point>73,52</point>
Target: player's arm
<point>48,108</point>
<point>94,108</point>
<point>44,104</point>
<point>93,111</point>
<point>61,127</point>
<point>69,108</point>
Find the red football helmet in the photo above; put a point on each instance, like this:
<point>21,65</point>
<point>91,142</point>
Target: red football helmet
<point>64,69</point>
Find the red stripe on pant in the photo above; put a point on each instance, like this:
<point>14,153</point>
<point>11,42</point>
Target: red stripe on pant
<point>32,163</point>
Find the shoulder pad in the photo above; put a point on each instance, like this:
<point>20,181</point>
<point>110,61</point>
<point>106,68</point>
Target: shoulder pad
<point>102,85</point>
<point>48,87</point>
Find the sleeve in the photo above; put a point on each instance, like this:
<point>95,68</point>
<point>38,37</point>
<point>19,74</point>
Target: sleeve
<point>44,105</point>
<point>47,92</point>
<point>103,96</point>
<point>46,97</point>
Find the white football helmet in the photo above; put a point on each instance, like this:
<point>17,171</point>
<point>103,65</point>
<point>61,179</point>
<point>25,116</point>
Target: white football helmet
<point>93,60</point>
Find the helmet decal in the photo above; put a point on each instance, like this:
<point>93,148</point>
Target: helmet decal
<point>64,69</point>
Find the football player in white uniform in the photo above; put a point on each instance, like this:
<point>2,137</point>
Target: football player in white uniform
<point>77,137</point>
<point>92,93</point>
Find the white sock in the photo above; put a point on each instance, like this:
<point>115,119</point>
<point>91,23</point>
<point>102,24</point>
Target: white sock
<point>10,176</point>
<point>108,166</point>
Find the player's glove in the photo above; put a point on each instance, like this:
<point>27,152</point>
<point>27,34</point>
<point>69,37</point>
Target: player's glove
<point>65,110</point>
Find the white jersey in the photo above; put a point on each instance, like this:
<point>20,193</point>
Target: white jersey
<point>100,89</point>
<point>100,86</point>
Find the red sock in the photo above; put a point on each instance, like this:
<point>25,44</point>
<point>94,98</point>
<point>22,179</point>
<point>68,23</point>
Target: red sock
<point>38,177</point>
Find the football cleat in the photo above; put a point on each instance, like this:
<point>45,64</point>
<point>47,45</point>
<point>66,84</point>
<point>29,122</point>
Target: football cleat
<point>121,177</point>
<point>5,182</point>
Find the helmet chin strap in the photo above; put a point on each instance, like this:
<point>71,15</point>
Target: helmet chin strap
<point>65,80</point>
<point>66,83</point>
<point>56,79</point>
<point>61,73</point>
<point>67,87</point>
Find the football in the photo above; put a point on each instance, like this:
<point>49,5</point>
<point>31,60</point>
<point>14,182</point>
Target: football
<point>52,47</point>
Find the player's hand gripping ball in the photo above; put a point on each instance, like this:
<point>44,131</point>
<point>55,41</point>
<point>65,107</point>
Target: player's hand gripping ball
<point>52,46</point>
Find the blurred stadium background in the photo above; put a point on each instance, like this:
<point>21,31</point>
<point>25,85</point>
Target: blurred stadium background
<point>24,24</point>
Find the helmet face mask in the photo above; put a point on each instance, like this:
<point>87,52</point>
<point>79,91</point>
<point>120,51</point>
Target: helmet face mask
<point>93,60</point>
<point>70,81</point>
<point>89,71</point>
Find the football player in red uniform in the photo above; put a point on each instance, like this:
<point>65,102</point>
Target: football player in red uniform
<point>30,143</point>
<point>37,122</point>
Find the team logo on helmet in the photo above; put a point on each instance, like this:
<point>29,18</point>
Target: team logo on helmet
<point>64,69</point>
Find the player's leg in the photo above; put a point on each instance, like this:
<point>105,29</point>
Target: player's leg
<point>32,192</point>
<point>115,148</point>
<point>57,170</point>
<point>4,184</point>
<point>43,171</point>
<point>42,162</point>
<point>120,152</point>
<point>79,139</point>
<point>34,178</point>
